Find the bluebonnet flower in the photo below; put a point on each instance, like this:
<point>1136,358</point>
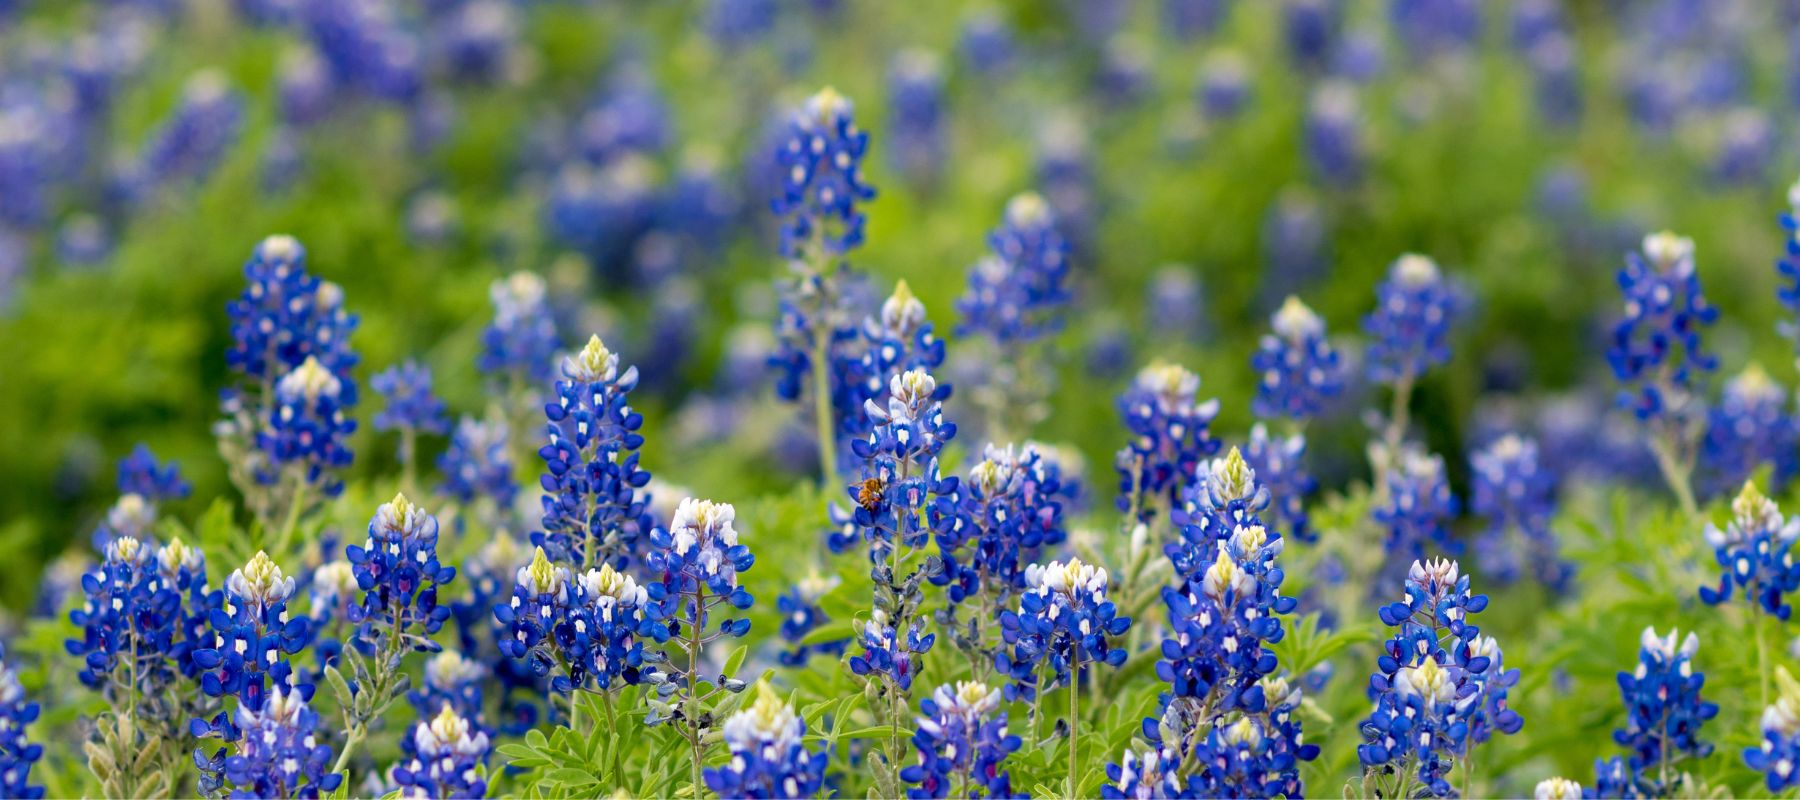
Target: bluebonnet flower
<point>1310,31</point>
<point>479,40</point>
<point>1410,327</point>
<point>1295,243</point>
<point>1656,350</point>
<point>1439,687</point>
<point>452,681</point>
<point>822,179</point>
<point>1779,753</point>
<point>1334,134</point>
<point>1436,28</point>
<point>136,634</point>
<point>285,316</point>
<point>897,340</point>
<point>1280,464</point>
<point>192,140</point>
<point>1299,369</point>
<point>366,47</point>
<point>962,744</point>
<point>1177,300</point>
<point>594,505</point>
<point>1224,84</point>
<point>303,88</point>
<point>1169,437</point>
<point>986,42</point>
<point>1188,20</point>
<point>142,475</point>
<point>1225,497</point>
<point>1613,778</point>
<point>699,558</point>
<point>1788,266</point>
<point>734,23</point>
<point>1749,427</point>
<point>1517,495</point>
<point>590,629</point>
<point>252,634</point>
<point>888,652</point>
<point>278,755</point>
<point>1664,712</point>
<point>308,430</point>
<point>17,754</point>
<point>900,473</point>
<point>600,211</point>
<point>521,342</point>
<point>1064,621</point>
<point>132,516</point>
<point>916,115</point>
<point>1754,550</point>
<point>1747,143</point>
<point>1154,773</point>
<point>478,462</point>
<point>397,568</point>
<point>1005,515</point>
<point>410,402</point>
<point>445,757</point>
<point>1019,292</point>
<point>769,758</point>
<point>1417,508</point>
<point>800,615</point>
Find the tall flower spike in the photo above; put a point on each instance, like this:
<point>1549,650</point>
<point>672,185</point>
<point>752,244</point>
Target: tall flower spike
<point>1019,292</point>
<point>1065,621</point>
<point>769,757</point>
<point>821,179</point>
<point>962,743</point>
<point>1788,266</point>
<point>595,507</point>
<point>1517,496</point>
<point>278,754</point>
<point>900,475</point>
<point>521,341</point>
<point>398,570</point>
<point>1299,369</point>
<point>1002,517</point>
<point>1410,327</point>
<point>1225,497</point>
<point>1779,754</point>
<point>1169,438</point>
<point>141,474</point>
<point>1280,463</point>
<point>1748,428</point>
<point>410,402</point>
<point>1656,351</point>
<point>1664,714</point>
<point>1418,509</point>
<point>1439,686</point>
<point>252,635</point>
<point>478,462</point>
<point>307,432</point>
<point>443,757</point>
<point>1754,550</point>
<point>286,316</point>
<point>700,559</point>
<point>131,622</point>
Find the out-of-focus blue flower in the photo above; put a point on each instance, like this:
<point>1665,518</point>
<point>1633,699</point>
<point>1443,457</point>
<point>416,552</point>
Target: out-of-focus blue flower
<point>594,504</point>
<point>1410,327</point>
<point>1556,78</point>
<point>602,211</point>
<point>1280,463</point>
<point>1310,28</point>
<point>1656,350</point>
<point>478,40</point>
<point>303,88</point>
<point>1064,622</point>
<point>889,652</point>
<point>1224,84</point>
<point>443,757</point>
<point>915,120</point>
<point>1019,292</point>
<point>406,388</point>
<point>1334,134</point>
<point>987,42</point>
<point>1295,244</point>
<point>822,179</point>
<point>1435,28</point>
<point>962,744</point>
<point>1418,508</point>
<point>1779,753</point>
<point>278,755</point>
<point>397,568</point>
<point>1188,20</point>
<point>1169,437</point>
<point>454,682</point>
<point>431,218</point>
<point>1754,550</point>
<point>307,432</point>
<point>82,240</point>
<point>1300,370</point>
<point>627,116</point>
<point>1747,144</point>
<point>366,48</point>
<point>192,140</point>
<point>1177,300</point>
<point>1003,517</point>
<point>1439,686</point>
<point>17,754</point>
<point>1788,267</point>
<point>735,23</point>
<point>1748,428</point>
<point>478,462</point>
<point>141,474</point>
<point>800,614</point>
<point>1664,712</point>
<point>1517,496</point>
<point>769,758</point>
<point>1065,177</point>
<point>522,340</point>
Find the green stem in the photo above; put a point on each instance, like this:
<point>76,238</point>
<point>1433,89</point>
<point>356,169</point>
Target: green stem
<point>296,504</point>
<point>354,738</point>
<point>1762,652</point>
<point>1676,473</point>
<point>1074,719</point>
<point>822,412</point>
<point>409,445</point>
<point>693,674</point>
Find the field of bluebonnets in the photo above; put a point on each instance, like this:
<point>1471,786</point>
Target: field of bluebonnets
<point>1094,398</point>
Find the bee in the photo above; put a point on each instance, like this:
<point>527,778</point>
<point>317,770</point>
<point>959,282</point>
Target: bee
<point>869,496</point>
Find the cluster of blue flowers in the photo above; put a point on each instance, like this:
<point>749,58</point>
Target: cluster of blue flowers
<point>398,570</point>
<point>1664,714</point>
<point>769,757</point>
<point>1410,327</point>
<point>582,631</point>
<point>595,507</point>
<point>1019,292</point>
<point>1439,687</point>
<point>135,632</point>
<point>1754,549</point>
<point>520,344</point>
<point>1298,368</point>
<point>900,475</point>
<point>252,635</point>
<point>962,743</point>
<point>889,652</point>
<point>1280,464</point>
<point>1779,753</point>
<point>822,179</point>
<point>1007,513</point>
<point>1749,427</point>
<point>1656,350</point>
<point>445,757</point>
<point>1170,436</point>
<point>1516,493</point>
<point>1065,623</point>
<point>277,752</point>
<point>478,463</point>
